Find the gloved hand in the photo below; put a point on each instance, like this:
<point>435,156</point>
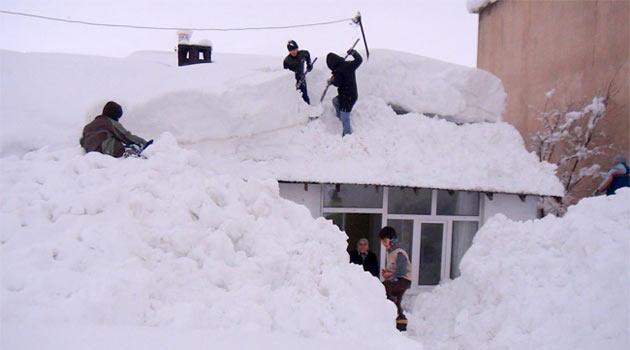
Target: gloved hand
<point>149,143</point>
<point>309,67</point>
<point>331,80</point>
<point>351,52</point>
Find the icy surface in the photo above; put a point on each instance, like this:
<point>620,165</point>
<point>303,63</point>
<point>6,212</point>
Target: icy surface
<point>93,240</point>
<point>244,116</point>
<point>555,283</point>
<point>474,6</point>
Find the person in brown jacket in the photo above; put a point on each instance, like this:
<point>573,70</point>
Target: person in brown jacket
<point>106,135</point>
<point>397,272</point>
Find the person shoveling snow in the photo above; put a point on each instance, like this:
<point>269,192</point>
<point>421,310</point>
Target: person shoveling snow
<point>344,78</point>
<point>106,135</point>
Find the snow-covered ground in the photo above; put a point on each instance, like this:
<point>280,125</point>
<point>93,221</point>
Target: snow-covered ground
<point>194,247</point>
<point>554,283</point>
<point>165,243</point>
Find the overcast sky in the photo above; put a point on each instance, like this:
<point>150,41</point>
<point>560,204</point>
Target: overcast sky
<point>441,29</point>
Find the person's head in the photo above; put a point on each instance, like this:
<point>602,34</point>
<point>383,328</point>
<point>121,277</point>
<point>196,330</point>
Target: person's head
<point>363,246</point>
<point>388,236</point>
<point>333,60</point>
<point>620,159</point>
<point>292,46</point>
<point>112,110</point>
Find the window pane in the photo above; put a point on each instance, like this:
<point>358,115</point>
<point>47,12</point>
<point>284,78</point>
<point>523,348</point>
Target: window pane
<point>463,234</point>
<point>458,203</point>
<point>353,196</point>
<point>430,254</point>
<point>404,230</point>
<point>409,201</point>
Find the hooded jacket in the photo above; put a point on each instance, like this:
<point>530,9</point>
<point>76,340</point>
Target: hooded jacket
<point>344,78</point>
<point>106,135</point>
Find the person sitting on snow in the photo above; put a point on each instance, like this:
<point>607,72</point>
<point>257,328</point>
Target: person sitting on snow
<point>106,135</point>
<point>397,272</point>
<point>365,257</point>
<point>344,78</point>
<point>295,62</point>
<point>618,176</point>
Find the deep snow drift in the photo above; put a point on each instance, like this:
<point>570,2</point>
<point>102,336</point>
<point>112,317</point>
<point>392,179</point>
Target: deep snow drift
<point>554,283</point>
<point>47,89</point>
<point>243,114</point>
<point>92,240</point>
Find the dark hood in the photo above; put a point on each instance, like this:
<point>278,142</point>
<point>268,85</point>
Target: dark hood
<point>333,60</point>
<point>112,110</point>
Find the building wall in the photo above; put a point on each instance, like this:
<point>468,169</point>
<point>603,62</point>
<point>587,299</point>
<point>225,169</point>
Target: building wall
<point>576,47</point>
<point>511,206</point>
<point>311,197</point>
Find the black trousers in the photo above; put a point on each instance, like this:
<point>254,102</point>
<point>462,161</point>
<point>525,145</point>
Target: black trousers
<point>395,291</point>
<point>304,90</point>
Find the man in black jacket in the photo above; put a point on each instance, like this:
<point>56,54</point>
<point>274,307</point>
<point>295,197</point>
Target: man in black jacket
<point>344,78</point>
<point>295,62</point>
<point>363,256</point>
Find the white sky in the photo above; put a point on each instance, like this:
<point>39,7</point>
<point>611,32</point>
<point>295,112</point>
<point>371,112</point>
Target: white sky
<point>441,29</point>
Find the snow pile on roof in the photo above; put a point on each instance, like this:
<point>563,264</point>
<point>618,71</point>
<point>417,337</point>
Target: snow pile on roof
<point>423,85</point>
<point>93,240</point>
<point>387,149</point>
<point>51,94</point>
<point>243,114</point>
<point>475,6</point>
<point>554,283</point>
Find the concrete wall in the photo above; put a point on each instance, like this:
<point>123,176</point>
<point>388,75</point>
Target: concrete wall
<point>575,47</point>
<point>311,198</point>
<point>511,206</point>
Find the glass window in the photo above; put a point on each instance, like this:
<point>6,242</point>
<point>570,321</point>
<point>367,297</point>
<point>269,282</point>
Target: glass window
<point>430,253</point>
<point>353,196</point>
<point>358,226</point>
<point>404,231</point>
<point>458,203</point>
<point>409,201</point>
<point>463,234</point>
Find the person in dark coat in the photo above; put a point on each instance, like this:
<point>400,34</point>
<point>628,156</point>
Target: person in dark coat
<point>344,78</point>
<point>106,135</point>
<point>295,62</point>
<point>365,257</point>
<point>617,177</point>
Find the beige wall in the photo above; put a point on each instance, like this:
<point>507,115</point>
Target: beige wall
<point>573,46</point>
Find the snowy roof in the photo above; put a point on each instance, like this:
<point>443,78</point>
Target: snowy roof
<point>475,6</point>
<point>244,116</point>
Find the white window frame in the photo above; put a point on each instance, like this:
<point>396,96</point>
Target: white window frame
<point>447,231</point>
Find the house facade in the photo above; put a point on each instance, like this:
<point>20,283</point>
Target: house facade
<point>435,226</point>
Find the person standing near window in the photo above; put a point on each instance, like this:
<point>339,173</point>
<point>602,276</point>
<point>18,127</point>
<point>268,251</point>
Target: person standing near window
<point>365,257</point>
<point>397,272</point>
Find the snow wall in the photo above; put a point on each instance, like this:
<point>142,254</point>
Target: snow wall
<point>554,283</point>
<point>93,240</point>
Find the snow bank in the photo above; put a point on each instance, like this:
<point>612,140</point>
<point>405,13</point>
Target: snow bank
<point>244,116</point>
<point>93,240</point>
<point>423,85</point>
<point>51,94</point>
<point>555,283</point>
<point>387,149</point>
<point>475,6</point>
